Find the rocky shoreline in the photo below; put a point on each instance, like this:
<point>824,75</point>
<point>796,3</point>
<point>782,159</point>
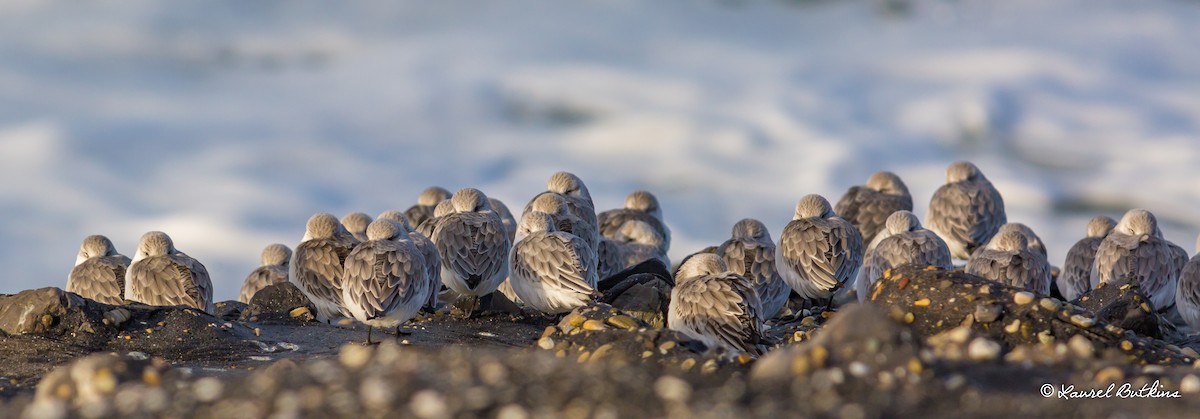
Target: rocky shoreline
<point>930,343</point>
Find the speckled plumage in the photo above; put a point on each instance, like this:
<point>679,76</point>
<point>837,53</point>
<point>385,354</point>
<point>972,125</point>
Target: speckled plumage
<point>273,269</point>
<point>1135,249</point>
<point>1076,276</point>
<point>385,280</point>
<point>715,306</point>
<point>317,263</point>
<point>906,243</point>
<point>99,272</point>
<point>637,229</point>
<point>161,275</point>
<point>551,271</point>
<point>356,223</point>
<point>750,252</point>
<point>967,211</point>
<point>1008,259</point>
<point>868,207</point>
<point>473,245</point>
<point>427,201</point>
<point>818,251</point>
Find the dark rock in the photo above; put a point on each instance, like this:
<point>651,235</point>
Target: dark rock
<point>279,303</point>
<point>230,310</point>
<point>643,291</point>
<point>653,267</point>
<point>933,301</point>
<point>1121,303</point>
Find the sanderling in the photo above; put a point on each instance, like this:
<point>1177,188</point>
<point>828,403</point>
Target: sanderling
<point>1135,249</point>
<point>99,272</point>
<point>552,271</point>
<point>356,223</point>
<point>818,251</point>
<point>160,275</point>
<point>637,229</point>
<point>473,245</point>
<point>317,262</point>
<point>506,217</point>
<point>1076,275</point>
<point>398,217</point>
<point>750,252</point>
<point>274,269</point>
<point>715,306</point>
<point>385,281</point>
<point>868,206</point>
<point>967,211</point>
<point>906,243</point>
<point>1187,296</point>
<point>1008,259</point>
<point>426,202</point>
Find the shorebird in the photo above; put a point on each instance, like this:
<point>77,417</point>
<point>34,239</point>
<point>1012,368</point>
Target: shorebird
<point>506,217</point>
<point>868,206</point>
<point>750,252</point>
<point>160,275</point>
<point>1075,278</point>
<point>552,271</point>
<point>818,251</point>
<point>426,202</point>
<point>356,223</point>
<point>99,272</point>
<point>715,306</point>
<point>905,243</point>
<point>316,267</point>
<point>637,230</point>
<point>385,280</point>
<point>1187,296</point>
<point>967,211</point>
<point>398,217</point>
<point>1135,249</point>
<point>1008,259</point>
<point>473,245</point>
<point>273,270</point>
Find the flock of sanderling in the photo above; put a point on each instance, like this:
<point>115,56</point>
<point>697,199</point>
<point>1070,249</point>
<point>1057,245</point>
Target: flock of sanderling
<point>381,272</point>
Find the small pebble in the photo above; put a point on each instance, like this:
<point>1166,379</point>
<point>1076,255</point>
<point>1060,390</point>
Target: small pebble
<point>672,389</point>
<point>1109,375</point>
<point>1013,327</point>
<point>982,349</point>
<point>987,313</point>
<point>593,325</point>
<point>1190,384</point>
<point>428,404</point>
<point>1023,297</point>
<point>1082,321</point>
<point>546,343</point>
<point>1049,304</point>
<point>858,369</point>
<point>924,302</point>
<point>1081,346</point>
<point>208,389</point>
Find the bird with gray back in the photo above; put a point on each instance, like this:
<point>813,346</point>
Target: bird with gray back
<point>356,223</point>
<point>473,245</point>
<point>160,275</point>
<point>907,243</point>
<point>818,251</point>
<point>397,216</point>
<point>967,211</point>
<point>317,262</point>
<point>1034,242</point>
<point>274,270</point>
<point>1136,250</point>
<point>637,231</point>
<point>868,206</point>
<point>1076,276</point>
<point>551,271</point>
<point>715,306</point>
<point>440,210</point>
<point>1187,296</point>
<point>385,281</point>
<point>1008,259</point>
<point>579,203</point>
<point>506,216</point>
<point>558,207</point>
<point>99,272</point>
<point>427,201</point>
<point>750,252</point>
